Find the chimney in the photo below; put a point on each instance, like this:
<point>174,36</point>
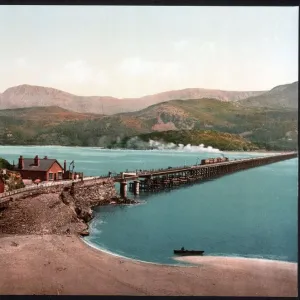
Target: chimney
<point>21,162</point>
<point>36,161</point>
<point>65,166</point>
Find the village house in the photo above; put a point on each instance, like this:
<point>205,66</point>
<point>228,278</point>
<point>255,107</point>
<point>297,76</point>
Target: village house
<point>42,169</point>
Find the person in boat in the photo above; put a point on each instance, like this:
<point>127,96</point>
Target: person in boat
<point>182,249</point>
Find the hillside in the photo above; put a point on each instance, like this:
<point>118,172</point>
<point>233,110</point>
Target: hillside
<point>49,115</point>
<point>219,140</point>
<point>267,127</point>
<point>282,96</point>
<point>32,96</point>
<point>19,125</point>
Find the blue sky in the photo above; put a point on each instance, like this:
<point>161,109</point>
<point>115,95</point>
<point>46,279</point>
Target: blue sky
<point>128,51</point>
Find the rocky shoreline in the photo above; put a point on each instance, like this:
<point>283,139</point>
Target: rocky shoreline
<point>65,211</point>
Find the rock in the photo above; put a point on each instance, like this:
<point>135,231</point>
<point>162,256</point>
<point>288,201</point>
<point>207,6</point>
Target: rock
<point>78,210</point>
<point>86,214</point>
<point>84,233</point>
<point>14,244</point>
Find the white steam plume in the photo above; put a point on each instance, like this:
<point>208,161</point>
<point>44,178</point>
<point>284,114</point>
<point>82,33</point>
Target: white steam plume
<point>137,143</point>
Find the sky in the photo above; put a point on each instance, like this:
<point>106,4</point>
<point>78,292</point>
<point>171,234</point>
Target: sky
<point>131,51</point>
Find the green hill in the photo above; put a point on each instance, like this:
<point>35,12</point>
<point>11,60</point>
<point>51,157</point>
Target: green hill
<point>271,128</point>
<point>219,140</point>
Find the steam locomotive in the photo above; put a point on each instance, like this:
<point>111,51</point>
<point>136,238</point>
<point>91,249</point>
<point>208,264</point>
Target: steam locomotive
<point>209,161</point>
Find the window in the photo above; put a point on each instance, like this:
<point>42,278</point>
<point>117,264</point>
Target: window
<point>50,176</point>
<point>59,175</point>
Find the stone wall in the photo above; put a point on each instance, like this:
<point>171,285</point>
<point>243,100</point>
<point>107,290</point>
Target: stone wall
<point>94,193</point>
<point>82,196</point>
<point>60,209</point>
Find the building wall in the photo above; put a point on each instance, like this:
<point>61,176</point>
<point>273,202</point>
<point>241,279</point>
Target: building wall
<point>42,175</point>
<point>54,170</point>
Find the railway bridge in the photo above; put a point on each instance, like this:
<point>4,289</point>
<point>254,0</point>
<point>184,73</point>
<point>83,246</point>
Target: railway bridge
<point>156,180</point>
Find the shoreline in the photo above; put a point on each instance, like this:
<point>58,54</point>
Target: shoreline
<point>66,265</point>
<point>191,260</point>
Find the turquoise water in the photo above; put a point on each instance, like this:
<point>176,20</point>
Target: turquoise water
<point>249,214</point>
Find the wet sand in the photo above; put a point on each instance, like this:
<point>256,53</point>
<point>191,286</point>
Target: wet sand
<point>65,265</point>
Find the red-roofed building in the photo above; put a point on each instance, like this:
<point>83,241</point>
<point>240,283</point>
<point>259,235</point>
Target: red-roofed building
<point>44,169</point>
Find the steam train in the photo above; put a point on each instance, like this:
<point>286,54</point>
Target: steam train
<point>209,161</point>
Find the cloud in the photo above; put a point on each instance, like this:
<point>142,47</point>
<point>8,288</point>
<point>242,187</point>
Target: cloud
<point>21,62</point>
<point>136,67</point>
<point>208,45</point>
<point>141,77</point>
<point>275,38</point>
<point>181,45</point>
<point>79,72</point>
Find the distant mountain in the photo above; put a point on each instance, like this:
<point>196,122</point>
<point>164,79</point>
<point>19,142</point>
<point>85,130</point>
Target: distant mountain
<point>34,96</point>
<point>282,96</point>
<point>31,96</point>
<point>269,128</point>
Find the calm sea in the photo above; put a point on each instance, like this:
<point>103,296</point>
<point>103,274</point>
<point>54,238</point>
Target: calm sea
<point>249,214</point>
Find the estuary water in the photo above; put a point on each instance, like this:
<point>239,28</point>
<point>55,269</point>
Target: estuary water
<point>251,213</point>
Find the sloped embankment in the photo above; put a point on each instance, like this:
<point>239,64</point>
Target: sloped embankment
<point>58,211</point>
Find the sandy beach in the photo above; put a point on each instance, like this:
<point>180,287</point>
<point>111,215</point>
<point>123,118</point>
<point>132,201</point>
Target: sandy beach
<point>65,265</point>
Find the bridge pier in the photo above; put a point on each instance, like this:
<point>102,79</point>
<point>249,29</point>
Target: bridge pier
<point>136,187</point>
<point>123,189</point>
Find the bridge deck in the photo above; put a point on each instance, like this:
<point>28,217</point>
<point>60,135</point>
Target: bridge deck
<point>183,174</point>
<point>155,180</point>
<point>168,171</point>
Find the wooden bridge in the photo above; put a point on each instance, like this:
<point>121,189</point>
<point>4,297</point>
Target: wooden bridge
<point>156,180</point>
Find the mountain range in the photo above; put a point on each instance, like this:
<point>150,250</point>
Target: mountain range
<point>268,119</point>
<point>284,96</point>
<point>33,96</point>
